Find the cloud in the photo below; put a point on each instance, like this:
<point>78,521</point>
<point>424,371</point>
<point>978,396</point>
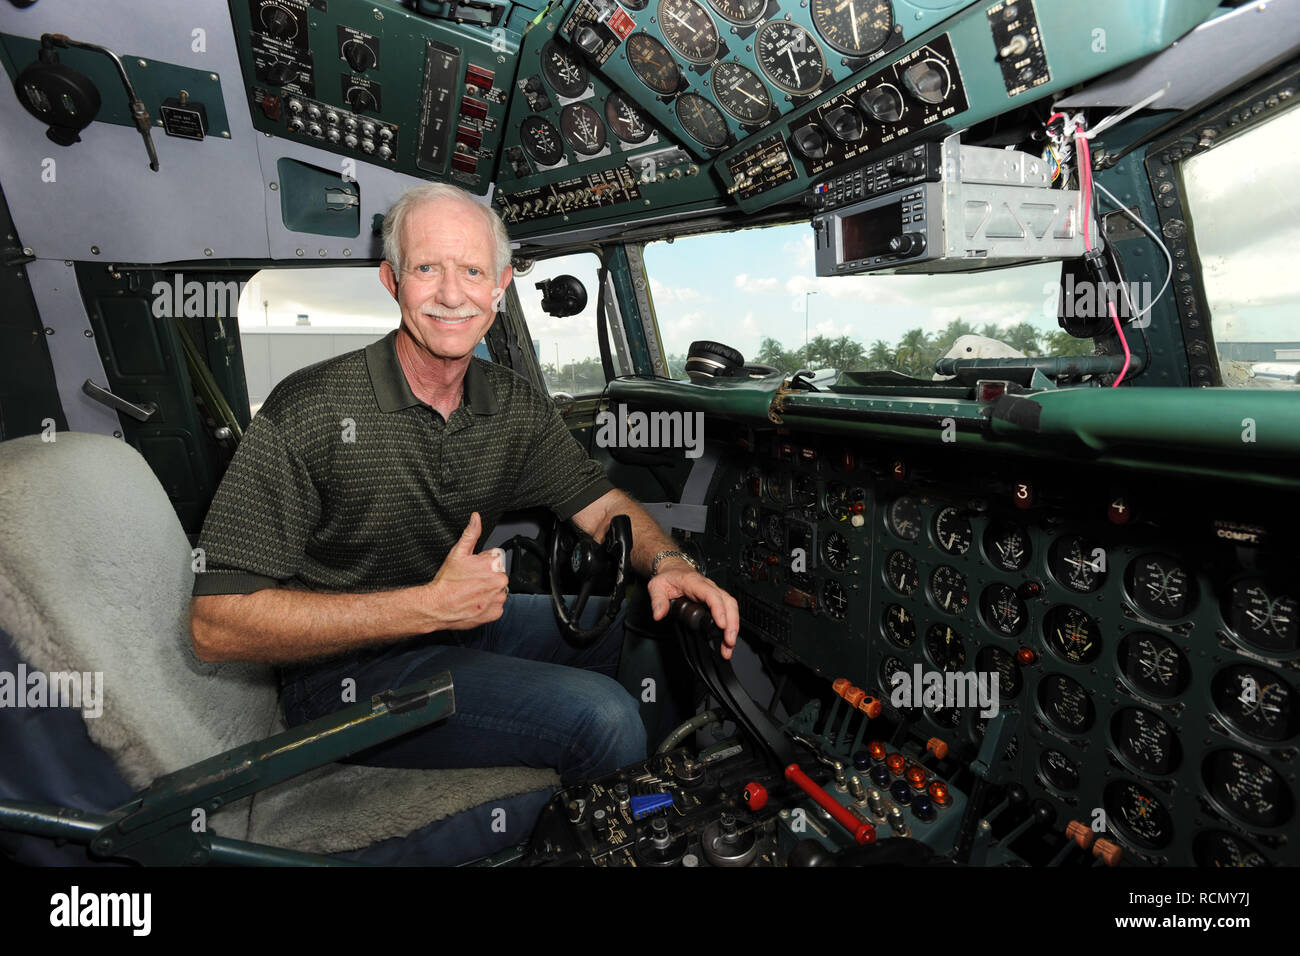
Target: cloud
<point>756,285</point>
<point>666,294</point>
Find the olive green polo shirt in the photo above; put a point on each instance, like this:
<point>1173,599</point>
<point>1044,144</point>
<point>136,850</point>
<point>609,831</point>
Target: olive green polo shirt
<point>345,481</point>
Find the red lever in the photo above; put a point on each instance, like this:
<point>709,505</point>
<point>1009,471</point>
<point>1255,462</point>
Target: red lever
<point>755,795</point>
<point>862,831</point>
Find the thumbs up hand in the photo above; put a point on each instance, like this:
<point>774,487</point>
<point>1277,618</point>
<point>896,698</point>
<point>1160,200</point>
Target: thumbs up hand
<point>469,589</point>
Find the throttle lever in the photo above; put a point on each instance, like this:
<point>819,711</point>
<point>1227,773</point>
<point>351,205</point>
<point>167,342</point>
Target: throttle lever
<point>696,618</point>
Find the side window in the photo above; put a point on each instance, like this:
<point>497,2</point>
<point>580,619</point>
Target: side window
<point>566,347</point>
<point>292,318</point>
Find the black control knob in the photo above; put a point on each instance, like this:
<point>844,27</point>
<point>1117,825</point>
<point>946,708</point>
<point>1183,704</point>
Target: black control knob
<point>845,124</point>
<point>884,103</point>
<point>907,244</point>
<point>909,165</point>
<point>278,22</point>
<point>810,141</point>
<point>929,81</point>
<point>359,56</point>
<point>278,74</point>
<point>589,41</point>
<point>361,99</point>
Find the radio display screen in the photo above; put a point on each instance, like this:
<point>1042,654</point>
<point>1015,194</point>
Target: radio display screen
<point>867,234</point>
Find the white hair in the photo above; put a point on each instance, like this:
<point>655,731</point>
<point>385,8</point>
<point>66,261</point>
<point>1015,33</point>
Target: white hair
<point>435,192</point>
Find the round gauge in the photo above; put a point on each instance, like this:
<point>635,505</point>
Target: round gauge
<point>652,63</point>
<point>582,129</point>
<point>1007,546</point>
<point>628,123</point>
<point>1077,563</point>
<point>904,517</point>
<point>789,57</point>
<point>1066,704</point>
<point>1261,617</point>
<point>948,589</point>
<point>1217,848</point>
<point>701,120</point>
<point>774,531</point>
<point>835,549</point>
<point>1256,702</point>
<point>836,502</point>
<point>805,491</point>
<point>952,531</point>
<point>1161,586</point>
<point>635,4</point>
<point>1153,664</point>
<point>564,71</point>
<point>749,521</point>
<point>855,27</point>
<point>1058,771</point>
<point>1146,742</point>
<point>883,103</point>
<point>740,92</point>
<point>900,626</point>
<point>888,668</point>
<point>689,30</point>
<point>1247,788</point>
<point>949,718</point>
<point>945,647</point>
<point>742,12</point>
<point>994,660</point>
<point>542,140</point>
<point>1003,610</point>
<point>834,601</point>
<point>901,573</point>
<point>1072,634</point>
<point>929,81</point>
<point>1136,813</point>
<point>778,488</point>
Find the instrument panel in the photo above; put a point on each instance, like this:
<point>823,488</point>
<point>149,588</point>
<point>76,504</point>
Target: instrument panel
<point>1146,655</point>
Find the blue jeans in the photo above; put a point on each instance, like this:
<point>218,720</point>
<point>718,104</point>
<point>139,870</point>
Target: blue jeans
<point>524,695</point>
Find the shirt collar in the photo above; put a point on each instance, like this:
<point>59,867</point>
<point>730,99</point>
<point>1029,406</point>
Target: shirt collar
<point>393,391</point>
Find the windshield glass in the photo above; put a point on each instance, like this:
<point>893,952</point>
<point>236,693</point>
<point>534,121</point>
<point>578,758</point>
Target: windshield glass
<point>756,291</point>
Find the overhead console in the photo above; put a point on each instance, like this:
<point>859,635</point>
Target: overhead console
<point>378,84</point>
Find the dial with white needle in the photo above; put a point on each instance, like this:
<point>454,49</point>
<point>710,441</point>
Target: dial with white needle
<point>793,65</point>
<point>853,19</point>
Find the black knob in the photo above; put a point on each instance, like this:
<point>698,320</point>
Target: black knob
<point>907,243</point>
<point>883,103</point>
<point>278,74</point>
<point>845,124</point>
<point>589,41</point>
<point>810,141</point>
<point>359,56</point>
<point>361,99</point>
<point>279,22</point>
<point>909,166</point>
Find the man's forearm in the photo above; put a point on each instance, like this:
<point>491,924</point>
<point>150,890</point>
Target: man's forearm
<point>648,539</point>
<point>278,625</point>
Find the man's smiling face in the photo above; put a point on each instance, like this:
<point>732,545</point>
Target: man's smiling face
<point>448,289</point>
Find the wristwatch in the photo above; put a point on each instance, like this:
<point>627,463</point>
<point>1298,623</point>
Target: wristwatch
<point>654,567</point>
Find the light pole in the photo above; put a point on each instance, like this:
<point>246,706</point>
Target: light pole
<point>805,326</point>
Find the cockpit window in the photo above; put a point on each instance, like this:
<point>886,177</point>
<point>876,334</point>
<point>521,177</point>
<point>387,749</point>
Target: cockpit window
<point>756,291</point>
<point>1242,199</point>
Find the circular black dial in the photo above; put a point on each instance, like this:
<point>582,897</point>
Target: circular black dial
<point>1146,742</point>
<point>1003,610</point>
<point>1078,563</point>
<point>1066,704</point>
<point>805,491</point>
<point>1262,617</point>
<point>883,103</point>
<point>277,22</point>
<point>1007,546</point>
<point>1256,702</point>
<point>582,129</point>
<point>835,549</point>
<point>1058,770</point>
<point>900,626</point>
<point>564,71</point>
<point>542,140</point>
<point>948,589</point>
<point>904,518</point>
<point>741,93</point>
<point>774,531</point>
<point>1249,789</point>
<point>742,12</point>
<point>900,571</point>
<point>1153,664</point>
<point>652,63</point>
<point>779,488</point>
<point>855,27</point>
<point>952,531</point>
<point>789,57</point>
<point>888,668</point>
<point>834,601</point>
<point>837,502</point>
<point>945,647</point>
<point>1217,848</point>
<point>994,660</point>
<point>689,30</point>
<point>1072,634</point>
<point>1135,812</point>
<point>701,120</point>
<point>1160,586</point>
<point>628,123</point>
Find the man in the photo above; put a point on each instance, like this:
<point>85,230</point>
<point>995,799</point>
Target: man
<point>364,474</point>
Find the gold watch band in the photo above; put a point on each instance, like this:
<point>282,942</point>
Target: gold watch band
<point>654,566</point>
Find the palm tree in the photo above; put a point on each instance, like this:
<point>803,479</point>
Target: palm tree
<point>881,355</point>
<point>1024,337</point>
<point>991,330</point>
<point>911,352</point>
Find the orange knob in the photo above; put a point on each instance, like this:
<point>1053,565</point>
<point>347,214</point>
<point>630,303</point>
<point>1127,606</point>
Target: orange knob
<point>1108,850</point>
<point>937,747</point>
<point>1080,833</point>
